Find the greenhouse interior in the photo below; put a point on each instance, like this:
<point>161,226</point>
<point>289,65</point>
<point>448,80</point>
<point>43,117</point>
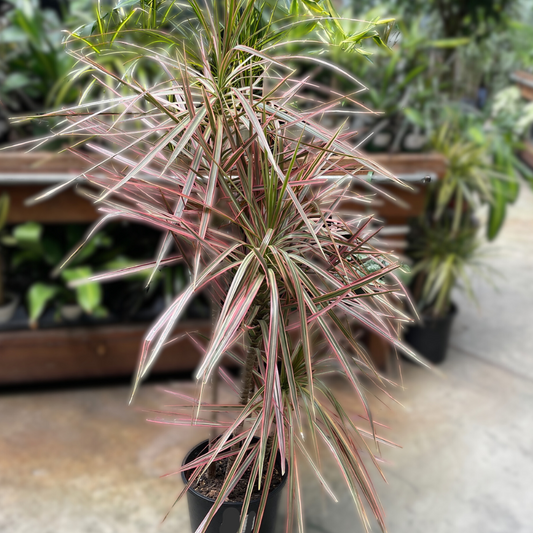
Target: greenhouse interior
<point>266,266</point>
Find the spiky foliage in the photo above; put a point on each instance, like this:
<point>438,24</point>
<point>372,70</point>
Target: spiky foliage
<point>255,196</point>
<point>443,258</point>
<point>470,179</point>
<point>444,239</point>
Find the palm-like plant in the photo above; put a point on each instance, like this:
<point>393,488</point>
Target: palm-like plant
<point>253,195</point>
<point>445,243</point>
<point>443,257</point>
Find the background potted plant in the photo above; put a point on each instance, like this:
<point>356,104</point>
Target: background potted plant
<point>252,193</point>
<point>445,239</point>
<point>443,260</point>
<point>461,105</point>
<point>33,63</point>
<point>439,69</point>
<point>37,252</point>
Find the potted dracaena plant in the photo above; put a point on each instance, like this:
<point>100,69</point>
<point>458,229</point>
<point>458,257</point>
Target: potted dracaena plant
<point>253,194</point>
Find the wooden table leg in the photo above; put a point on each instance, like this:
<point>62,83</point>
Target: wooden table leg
<point>379,350</point>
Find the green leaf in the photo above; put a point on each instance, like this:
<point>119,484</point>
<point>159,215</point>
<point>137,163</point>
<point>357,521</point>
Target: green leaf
<point>4,209</point>
<point>15,81</point>
<point>315,7</point>
<point>414,116</point>
<point>28,235</point>
<point>52,251</point>
<point>497,209</point>
<point>12,35</point>
<point>450,43</point>
<point>525,170</point>
<point>19,257</point>
<point>88,295</point>
<point>100,312</point>
<point>477,134</point>
<point>39,295</point>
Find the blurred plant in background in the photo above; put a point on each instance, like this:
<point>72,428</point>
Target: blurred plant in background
<point>33,63</point>
<point>35,72</point>
<point>445,87</point>
<point>30,253</point>
<point>444,257</point>
<point>42,253</point>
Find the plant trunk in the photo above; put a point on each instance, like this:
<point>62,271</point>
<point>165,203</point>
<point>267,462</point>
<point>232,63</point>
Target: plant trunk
<point>213,434</point>
<point>214,400</point>
<point>268,451</point>
<point>245,396</point>
<point>247,378</point>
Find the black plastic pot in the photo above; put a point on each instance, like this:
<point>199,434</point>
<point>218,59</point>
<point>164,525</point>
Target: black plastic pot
<point>431,337</point>
<point>226,519</point>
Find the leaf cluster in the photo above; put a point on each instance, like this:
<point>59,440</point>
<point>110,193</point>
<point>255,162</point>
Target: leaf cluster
<point>30,247</point>
<point>255,196</point>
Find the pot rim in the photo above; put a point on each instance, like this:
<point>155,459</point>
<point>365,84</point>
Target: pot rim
<point>13,299</point>
<point>428,317</point>
<point>211,500</point>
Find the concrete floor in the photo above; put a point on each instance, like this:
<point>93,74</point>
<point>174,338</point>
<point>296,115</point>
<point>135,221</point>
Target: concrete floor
<point>81,461</point>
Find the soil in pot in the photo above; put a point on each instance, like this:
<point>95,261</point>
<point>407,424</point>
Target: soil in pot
<point>431,337</point>
<point>210,487</point>
<point>203,494</point>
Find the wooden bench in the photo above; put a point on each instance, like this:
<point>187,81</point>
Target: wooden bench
<point>32,356</point>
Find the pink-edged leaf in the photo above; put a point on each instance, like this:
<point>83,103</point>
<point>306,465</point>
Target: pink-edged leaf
<point>180,207</point>
<point>293,392</point>
<point>316,470</point>
<point>267,483</point>
<point>272,386</point>
<point>302,310</point>
<point>264,143</point>
<point>126,271</point>
<point>156,150</point>
<point>343,359</point>
<point>209,197</point>
<point>227,327</point>
<point>99,224</point>
<point>167,321</point>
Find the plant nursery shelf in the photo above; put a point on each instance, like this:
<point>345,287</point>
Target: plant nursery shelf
<point>111,351</point>
<point>23,175</point>
<point>80,353</point>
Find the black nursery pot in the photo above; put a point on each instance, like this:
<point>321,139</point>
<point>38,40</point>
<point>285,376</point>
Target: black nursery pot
<point>227,518</point>
<point>431,337</point>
